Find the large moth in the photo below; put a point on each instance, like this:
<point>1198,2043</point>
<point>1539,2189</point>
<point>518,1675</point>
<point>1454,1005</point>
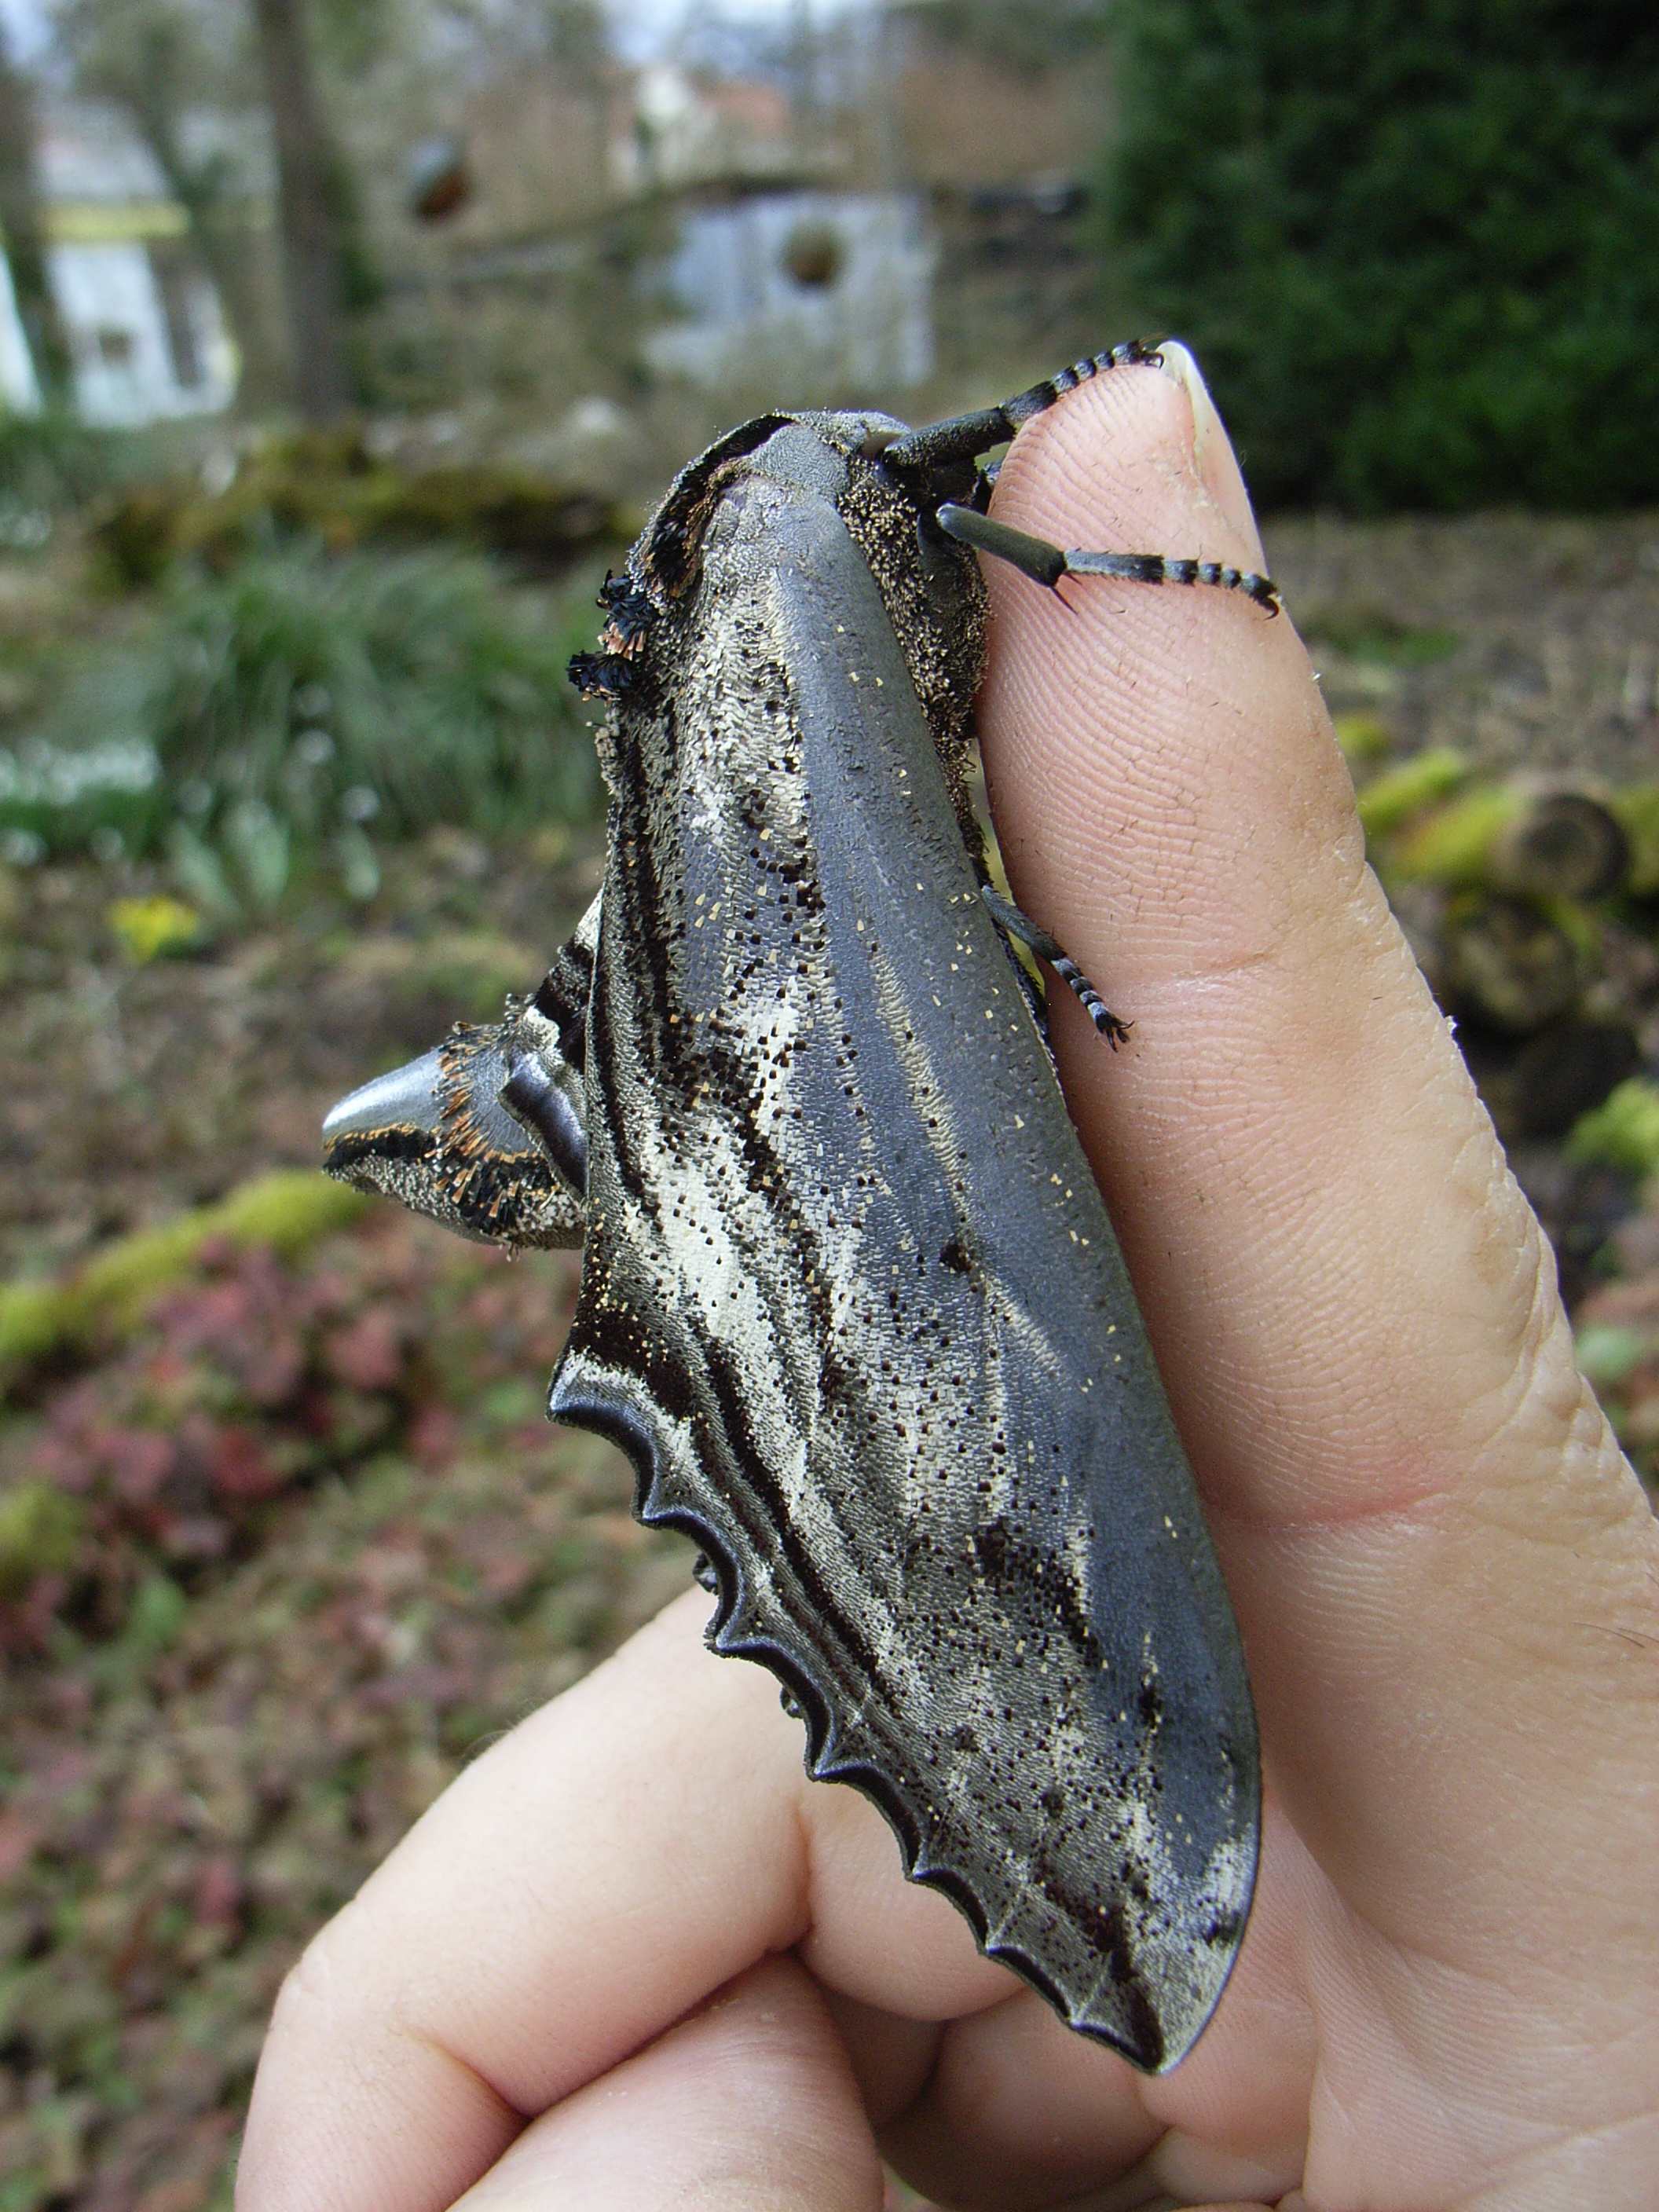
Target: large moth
<point>850,1301</point>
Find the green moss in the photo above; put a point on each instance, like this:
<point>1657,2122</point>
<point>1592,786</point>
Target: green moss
<point>289,1210</point>
<point>328,488</point>
<point>1393,798</point>
<point>40,1529</point>
<point>1579,924</point>
<point>1452,844</point>
<point>1623,1132</point>
<point>1637,810</point>
<point>1364,739</point>
<point>1610,1355</point>
<point>33,1316</point>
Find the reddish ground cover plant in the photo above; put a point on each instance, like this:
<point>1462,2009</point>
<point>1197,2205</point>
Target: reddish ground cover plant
<point>322,1546</point>
<point>162,1451</point>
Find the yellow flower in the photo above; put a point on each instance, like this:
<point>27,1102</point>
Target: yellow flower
<point>150,928</point>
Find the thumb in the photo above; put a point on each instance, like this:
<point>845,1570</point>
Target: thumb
<point>1445,1571</point>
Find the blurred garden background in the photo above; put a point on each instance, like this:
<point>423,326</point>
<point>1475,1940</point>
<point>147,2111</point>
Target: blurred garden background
<point>342,344</point>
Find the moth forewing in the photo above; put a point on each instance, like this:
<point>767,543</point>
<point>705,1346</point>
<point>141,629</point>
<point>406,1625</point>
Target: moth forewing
<point>851,1301</point>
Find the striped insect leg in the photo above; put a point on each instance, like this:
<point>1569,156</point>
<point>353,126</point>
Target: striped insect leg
<point>1046,564</point>
<point>964,437</point>
<point>1007,916</point>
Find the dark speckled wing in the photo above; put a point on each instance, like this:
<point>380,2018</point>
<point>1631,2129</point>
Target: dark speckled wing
<point>851,1302</point>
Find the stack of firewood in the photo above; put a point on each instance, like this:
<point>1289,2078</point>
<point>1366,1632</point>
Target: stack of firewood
<point>1533,907</point>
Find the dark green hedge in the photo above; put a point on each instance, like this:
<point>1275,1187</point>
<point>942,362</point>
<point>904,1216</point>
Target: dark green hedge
<point>1415,242</point>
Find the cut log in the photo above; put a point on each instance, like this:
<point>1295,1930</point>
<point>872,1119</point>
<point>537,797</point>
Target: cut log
<point>1505,961</point>
<point>1563,844</point>
<point>1516,839</point>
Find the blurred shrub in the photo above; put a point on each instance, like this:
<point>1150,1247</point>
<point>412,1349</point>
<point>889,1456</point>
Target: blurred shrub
<point>329,486</point>
<point>48,463</point>
<point>296,709</point>
<point>1410,239</point>
<point>52,465</point>
<point>101,796</point>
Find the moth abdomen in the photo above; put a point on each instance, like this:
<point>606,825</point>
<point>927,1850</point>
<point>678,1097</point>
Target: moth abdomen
<point>439,1135</point>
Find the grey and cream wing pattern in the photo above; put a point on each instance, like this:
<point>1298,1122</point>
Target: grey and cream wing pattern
<point>851,1303</point>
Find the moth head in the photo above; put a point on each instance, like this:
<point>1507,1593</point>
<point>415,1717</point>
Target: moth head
<point>477,1133</point>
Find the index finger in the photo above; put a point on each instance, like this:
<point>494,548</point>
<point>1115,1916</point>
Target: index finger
<point>1424,1521</point>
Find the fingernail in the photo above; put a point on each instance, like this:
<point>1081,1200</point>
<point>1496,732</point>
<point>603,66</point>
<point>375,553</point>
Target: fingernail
<point>1214,459</point>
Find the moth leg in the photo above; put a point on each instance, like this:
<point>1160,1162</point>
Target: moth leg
<point>963,437</point>
<point>1046,564</point>
<point>1008,916</point>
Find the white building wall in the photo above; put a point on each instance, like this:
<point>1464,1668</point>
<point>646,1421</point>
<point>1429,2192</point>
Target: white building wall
<point>107,298</point>
<point>746,316</point>
<point>125,375</point>
<point>111,307</point>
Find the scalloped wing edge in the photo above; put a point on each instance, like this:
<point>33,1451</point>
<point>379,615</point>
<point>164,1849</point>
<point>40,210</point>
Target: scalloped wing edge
<point>578,1397</point>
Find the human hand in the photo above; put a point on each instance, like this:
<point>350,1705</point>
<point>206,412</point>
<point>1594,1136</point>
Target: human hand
<point>632,1959</point>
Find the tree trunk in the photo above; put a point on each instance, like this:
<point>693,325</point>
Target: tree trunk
<point>219,232</point>
<point>313,261</point>
<point>24,240</point>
